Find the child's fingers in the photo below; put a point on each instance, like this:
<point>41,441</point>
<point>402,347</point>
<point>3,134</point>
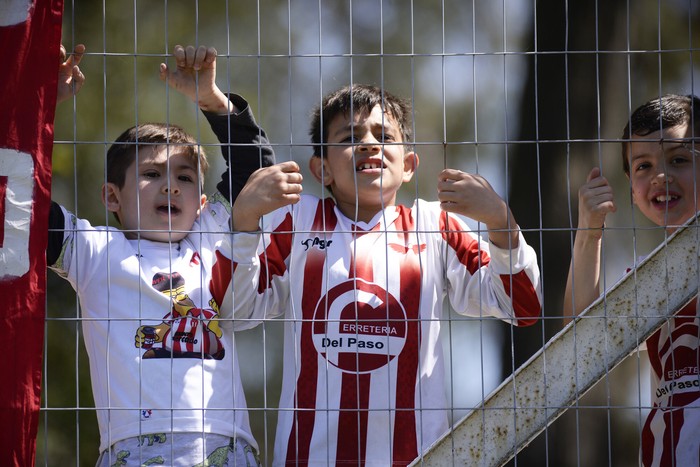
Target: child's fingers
<point>211,55</point>
<point>288,166</point>
<point>608,207</point>
<point>290,178</point>
<point>447,179</point>
<point>595,180</point>
<point>601,200</point>
<point>199,57</point>
<point>179,54</point>
<point>450,174</point>
<point>78,79</point>
<point>293,185</point>
<point>594,173</point>
<point>448,197</point>
<point>292,198</point>
<point>449,206</point>
<point>596,193</point>
<point>597,204</point>
<point>189,56</point>
<point>72,59</point>
<point>204,56</point>
<point>445,186</point>
<point>77,55</point>
<point>163,72</point>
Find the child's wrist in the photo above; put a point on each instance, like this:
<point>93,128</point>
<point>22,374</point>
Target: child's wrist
<point>589,235</point>
<point>218,103</point>
<point>245,224</point>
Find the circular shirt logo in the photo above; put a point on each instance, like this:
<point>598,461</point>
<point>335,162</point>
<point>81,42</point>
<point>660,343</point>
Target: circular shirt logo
<point>359,326</point>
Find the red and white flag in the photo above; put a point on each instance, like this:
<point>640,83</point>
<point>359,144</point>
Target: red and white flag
<point>30,35</point>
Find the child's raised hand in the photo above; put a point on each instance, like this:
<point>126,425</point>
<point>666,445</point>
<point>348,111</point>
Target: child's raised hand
<point>472,196</point>
<point>70,78</point>
<point>267,189</point>
<point>195,77</point>
<point>595,201</point>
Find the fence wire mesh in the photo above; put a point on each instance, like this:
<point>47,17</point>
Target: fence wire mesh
<point>531,95</point>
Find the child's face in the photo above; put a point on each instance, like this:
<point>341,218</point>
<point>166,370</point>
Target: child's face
<point>160,196</point>
<point>663,173</point>
<point>365,163</point>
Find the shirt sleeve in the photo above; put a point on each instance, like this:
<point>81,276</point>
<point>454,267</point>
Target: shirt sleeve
<point>250,276</point>
<point>78,256</point>
<point>56,223</point>
<point>244,146</point>
<point>485,280</point>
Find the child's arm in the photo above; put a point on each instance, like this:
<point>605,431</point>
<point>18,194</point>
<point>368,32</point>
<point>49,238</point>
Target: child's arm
<point>501,281</point>
<point>70,81</point>
<point>244,262</point>
<point>583,284</point>
<point>472,196</point>
<point>229,116</point>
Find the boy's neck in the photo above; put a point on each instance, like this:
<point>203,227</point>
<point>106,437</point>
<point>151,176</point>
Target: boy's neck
<point>145,238</point>
<point>357,213</point>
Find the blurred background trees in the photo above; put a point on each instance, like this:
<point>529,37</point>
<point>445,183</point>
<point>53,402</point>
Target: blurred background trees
<point>531,94</point>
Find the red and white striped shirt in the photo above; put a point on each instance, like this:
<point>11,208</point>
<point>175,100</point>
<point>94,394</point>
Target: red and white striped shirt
<point>363,367</point>
<point>671,434</point>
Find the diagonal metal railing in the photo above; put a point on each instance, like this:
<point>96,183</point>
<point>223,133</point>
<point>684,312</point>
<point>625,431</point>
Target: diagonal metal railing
<point>575,359</point>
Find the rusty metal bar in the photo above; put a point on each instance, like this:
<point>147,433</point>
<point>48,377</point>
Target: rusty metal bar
<point>576,358</point>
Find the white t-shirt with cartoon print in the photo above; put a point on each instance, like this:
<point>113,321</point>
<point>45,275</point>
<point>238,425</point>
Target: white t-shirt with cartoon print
<point>143,302</point>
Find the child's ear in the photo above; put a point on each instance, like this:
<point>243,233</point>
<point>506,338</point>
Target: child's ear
<point>319,169</point>
<point>202,200</point>
<point>410,164</point>
<point>111,197</point>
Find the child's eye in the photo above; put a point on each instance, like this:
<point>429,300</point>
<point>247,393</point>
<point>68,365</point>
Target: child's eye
<point>151,174</point>
<point>676,160</point>
<point>185,178</point>
<point>642,166</point>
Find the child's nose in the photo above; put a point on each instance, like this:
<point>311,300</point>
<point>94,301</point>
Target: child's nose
<point>369,144</point>
<point>662,176</point>
<point>171,188</point>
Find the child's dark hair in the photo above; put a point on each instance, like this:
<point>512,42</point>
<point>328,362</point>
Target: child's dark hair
<point>668,111</point>
<point>122,153</point>
<point>356,99</point>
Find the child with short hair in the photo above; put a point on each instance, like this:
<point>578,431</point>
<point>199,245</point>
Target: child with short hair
<point>360,282</point>
<point>659,156</point>
<point>163,364</point>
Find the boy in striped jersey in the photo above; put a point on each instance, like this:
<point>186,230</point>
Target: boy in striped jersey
<point>660,158</point>
<point>361,281</point>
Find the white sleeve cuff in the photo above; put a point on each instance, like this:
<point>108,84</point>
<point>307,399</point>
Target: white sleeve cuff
<point>511,261</point>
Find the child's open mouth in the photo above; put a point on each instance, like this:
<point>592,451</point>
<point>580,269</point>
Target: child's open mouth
<point>166,209</point>
<point>369,165</point>
<point>665,200</point>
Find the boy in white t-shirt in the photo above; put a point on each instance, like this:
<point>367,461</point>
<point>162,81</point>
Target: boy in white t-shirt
<point>360,282</point>
<point>163,364</point>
